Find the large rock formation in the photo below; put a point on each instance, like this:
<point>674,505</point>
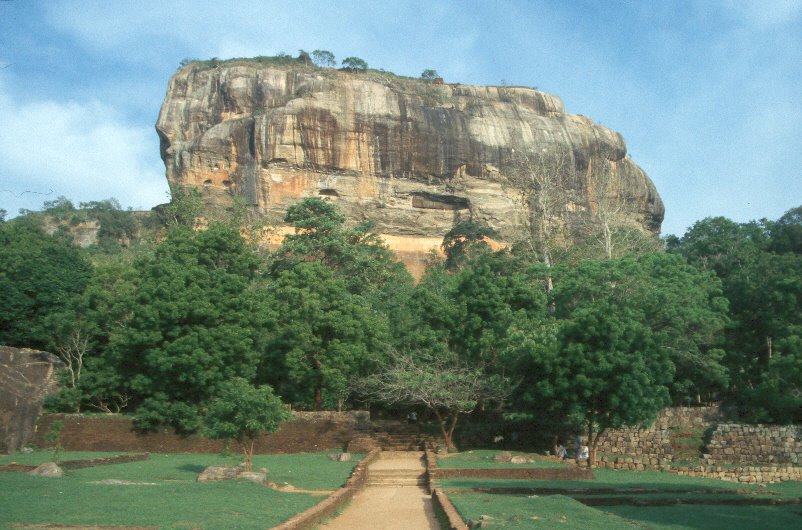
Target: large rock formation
<point>411,156</point>
<point>26,377</point>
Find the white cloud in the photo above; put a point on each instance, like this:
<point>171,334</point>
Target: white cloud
<point>765,13</point>
<point>84,151</point>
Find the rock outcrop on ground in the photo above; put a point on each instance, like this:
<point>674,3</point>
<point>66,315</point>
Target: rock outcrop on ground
<point>26,377</point>
<point>412,156</point>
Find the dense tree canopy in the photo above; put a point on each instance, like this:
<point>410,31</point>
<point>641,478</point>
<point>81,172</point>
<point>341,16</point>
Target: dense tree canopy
<point>194,324</point>
<point>760,268</point>
<point>162,331</point>
<point>323,337</point>
<point>41,279</point>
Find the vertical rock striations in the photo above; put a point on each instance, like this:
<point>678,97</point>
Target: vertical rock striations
<point>411,156</point>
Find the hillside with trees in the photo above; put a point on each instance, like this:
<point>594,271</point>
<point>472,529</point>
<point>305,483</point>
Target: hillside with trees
<point>331,320</point>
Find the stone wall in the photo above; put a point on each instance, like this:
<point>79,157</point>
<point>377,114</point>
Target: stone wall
<point>733,443</point>
<point>744,474</point>
<point>307,432</point>
<point>654,443</point>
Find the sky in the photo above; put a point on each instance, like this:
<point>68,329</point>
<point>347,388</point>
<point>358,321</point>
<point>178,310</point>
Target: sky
<point>707,93</point>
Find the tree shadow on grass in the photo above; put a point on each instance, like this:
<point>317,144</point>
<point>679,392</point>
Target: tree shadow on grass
<point>194,468</point>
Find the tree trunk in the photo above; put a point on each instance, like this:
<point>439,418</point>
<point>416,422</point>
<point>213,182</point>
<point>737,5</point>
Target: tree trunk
<point>318,397</point>
<point>318,384</point>
<point>450,443</point>
<point>446,432</point>
<point>608,241</point>
<point>247,451</point>
<point>593,440</point>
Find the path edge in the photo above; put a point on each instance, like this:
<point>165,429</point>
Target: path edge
<point>442,503</point>
<point>309,518</point>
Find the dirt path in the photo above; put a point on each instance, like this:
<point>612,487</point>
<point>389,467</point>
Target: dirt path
<point>384,504</point>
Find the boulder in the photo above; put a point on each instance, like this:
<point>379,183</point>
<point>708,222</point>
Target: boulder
<point>503,457</point>
<point>48,469</point>
<point>219,473</point>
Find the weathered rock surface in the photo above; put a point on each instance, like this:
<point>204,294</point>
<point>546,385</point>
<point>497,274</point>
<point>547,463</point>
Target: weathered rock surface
<point>26,377</point>
<point>48,469</point>
<point>411,156</point>
<point>220,473</point>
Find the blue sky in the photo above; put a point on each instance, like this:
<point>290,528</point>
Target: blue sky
<point>707,94</point>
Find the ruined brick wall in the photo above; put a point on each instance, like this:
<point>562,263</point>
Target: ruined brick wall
<point>307,432</point>
<point>733,443</point>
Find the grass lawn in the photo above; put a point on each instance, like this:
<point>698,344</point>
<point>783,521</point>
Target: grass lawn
<point>164,492</point>
<point>607,478</point>
<point>485,458</point>
<point>711,517</point>
<point>517,511</point>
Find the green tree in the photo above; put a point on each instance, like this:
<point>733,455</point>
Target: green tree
<point>184,208</point>
<point>117,226</point>
<point>304,58</point>
<point>324,58</point>
<point>610,372</point>
<point>464,240</point>
<point>90,342</point>
<point>759,268</point>
<point>429,75</point>
<point>354,64</point>
<point>437,380</point>
<point>324,335</point>
<point>41,280</point>
<point>356,254</point>
<point>786,232</point>
<point>683,308</point>
<point>242,412</point>
<point>195,323</point>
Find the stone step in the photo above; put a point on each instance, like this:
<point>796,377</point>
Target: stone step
<point>397,483</point>
<point>415,473</point>
<point>412,455</point>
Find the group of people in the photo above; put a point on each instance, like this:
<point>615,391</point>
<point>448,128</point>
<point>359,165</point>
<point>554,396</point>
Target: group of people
<point>582,450</point>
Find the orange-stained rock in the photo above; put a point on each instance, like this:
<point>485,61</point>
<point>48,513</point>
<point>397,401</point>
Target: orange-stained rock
<point>411,156</point>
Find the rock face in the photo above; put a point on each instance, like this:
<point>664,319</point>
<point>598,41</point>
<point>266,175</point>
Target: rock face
<point>26,377</point>
<point>414,157</point>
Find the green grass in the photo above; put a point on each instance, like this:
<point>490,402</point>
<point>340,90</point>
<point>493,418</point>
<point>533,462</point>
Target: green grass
<point>485,458</point>
<point>607,478</point>
<point>711,517</point>
<point>516,511</point>
<point>74,500</point>
<point>168,495</point>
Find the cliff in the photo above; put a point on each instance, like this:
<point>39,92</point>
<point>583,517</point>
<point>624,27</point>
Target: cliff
<point>412,156</point>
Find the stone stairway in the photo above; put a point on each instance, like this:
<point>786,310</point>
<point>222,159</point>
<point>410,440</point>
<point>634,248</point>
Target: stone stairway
<point>398,469</point>
<point>395,435</point>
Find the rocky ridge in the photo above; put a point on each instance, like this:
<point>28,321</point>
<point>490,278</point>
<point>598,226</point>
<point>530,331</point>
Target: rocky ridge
<point>413,157</point>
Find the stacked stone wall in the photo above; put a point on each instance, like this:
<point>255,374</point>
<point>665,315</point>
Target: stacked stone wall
<point>733,443</point>
<point>652,445</point>
<point>744,474</point>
